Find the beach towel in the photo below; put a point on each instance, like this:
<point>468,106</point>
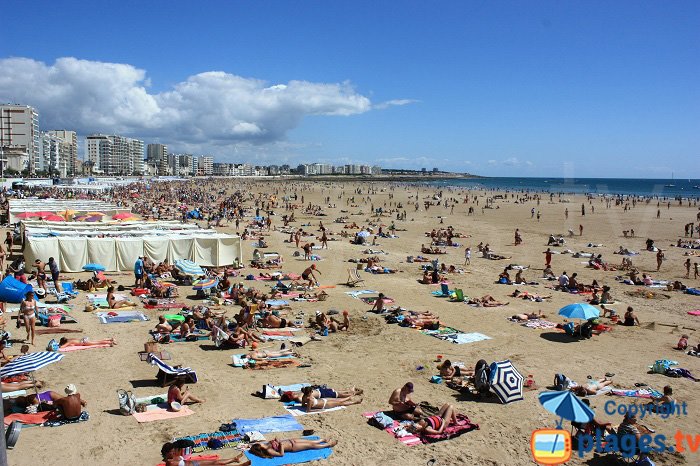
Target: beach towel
<point>79,348</point>
<point>281,332</point>
<point>55,330</point>
<point>696,312</point>
<point>398,431</point>
<point>159,413</point>
<point>164,304</point>
<point>277,302</point>
<point>121,317</point>
<point>228,439</point>
<point>176,338</point>
<point>455,336</point>
<point>539,324</point>
<point>84,416</point>
<point>30,419</point>
<point>265,425</point>
<point>100,300</point>
<point>296,409</point>
<point>356,294</point>
<point>292,458</point>
<point>638,393</point>
<point>292,388</point>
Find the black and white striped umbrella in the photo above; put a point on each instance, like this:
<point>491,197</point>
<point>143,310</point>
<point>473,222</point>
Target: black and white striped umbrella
<point>506,381</point>
<point>29,362</point>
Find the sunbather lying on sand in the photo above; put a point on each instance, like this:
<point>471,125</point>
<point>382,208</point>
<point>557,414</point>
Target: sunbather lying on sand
<point>321,392</point>
<point>592,387</point>
<point>174,455</point>
<point>277,448</point>
<point>272,321</point>
<point>312,402</point>
<point>532,316</point>
<point>431,250</point>
<point>261,354</point>
<point>434,425</point>
<point>68,342</point>
<point>486,301</point>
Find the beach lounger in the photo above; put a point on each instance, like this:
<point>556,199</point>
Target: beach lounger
<point>354,278</point>
<point>68,289</point>
<point>167,374</point>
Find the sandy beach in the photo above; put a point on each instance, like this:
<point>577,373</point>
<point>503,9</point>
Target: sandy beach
<point>379,357</point>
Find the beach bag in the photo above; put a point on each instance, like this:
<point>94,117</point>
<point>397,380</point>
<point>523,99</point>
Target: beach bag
<point>662,365</point>
<point>481,379</point>
<point>562,382</point>
<point>270,392</point>
<point>54,321</point>
<point>381,420</point>
<point>52,345</point>
<point>127,402</point>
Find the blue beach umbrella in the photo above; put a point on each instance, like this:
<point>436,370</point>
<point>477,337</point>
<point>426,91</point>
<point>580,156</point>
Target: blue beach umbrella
<point>94,268</point>
<point>189,268</point>
<point>566,405</point>
<point>205,284</point>
<point>30,362</point>
<point>579,311</point>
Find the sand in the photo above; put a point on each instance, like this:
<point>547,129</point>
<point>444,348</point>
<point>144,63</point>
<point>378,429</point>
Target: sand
<point>379,357</point>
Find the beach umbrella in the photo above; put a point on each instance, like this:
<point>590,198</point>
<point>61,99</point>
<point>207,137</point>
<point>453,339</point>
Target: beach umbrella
<point>94,218</point>
<point>54,218</point>
<point>189,268</point>
<point>44,213</point>
<point>506,381</point>
<point>95,214</point>
<point>566,405</point>
<point>122,216</point>
<point>579,311</point>
<point>30,362</point>
<point>26,215</point>
<point>92,267</point>
<point>205,284</point>
<point>363,233</point>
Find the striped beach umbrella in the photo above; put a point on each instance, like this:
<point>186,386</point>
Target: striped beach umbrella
<point>189,268</point>
<point>506,381</point>
<point>30,362</point>
<point>205,284</point>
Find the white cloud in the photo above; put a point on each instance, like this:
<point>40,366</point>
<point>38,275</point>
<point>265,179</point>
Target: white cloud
<point>206,110</point>
<point>394,103</point>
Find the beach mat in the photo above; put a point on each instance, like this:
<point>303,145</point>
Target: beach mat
<point>56,330</point>
<point>455,336</point>
<point>265,425</point>
<point>409,440</point>
<point>464,425</point>
<point>229,439</point>
<point>297,410</point>
<point>197,458</point>
<point>292,458</point>
<point>79,348</point>
<point>121,317</point>
<point>157,413</point>
<point>165,305</point>
<point>638,393</point>
<point>29,419</point>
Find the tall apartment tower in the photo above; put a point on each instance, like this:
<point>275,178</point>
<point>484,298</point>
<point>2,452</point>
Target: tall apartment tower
<point>68,164</point>
<point>115,155</point>
<point>157,155</point>
<point>20,140</point>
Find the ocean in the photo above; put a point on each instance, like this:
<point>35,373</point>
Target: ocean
<point>624,186</point>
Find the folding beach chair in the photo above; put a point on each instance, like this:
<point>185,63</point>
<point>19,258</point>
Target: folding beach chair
<point>167,374</point>
<point>354,278</point>
<point>457,295</point>
<point>68,289</point>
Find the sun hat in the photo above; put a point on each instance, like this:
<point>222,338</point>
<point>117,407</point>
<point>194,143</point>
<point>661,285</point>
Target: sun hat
<point>71,389</point>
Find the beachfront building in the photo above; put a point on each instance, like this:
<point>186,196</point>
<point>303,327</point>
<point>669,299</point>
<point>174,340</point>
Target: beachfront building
<point>115,155</point>
<point>20,142</point>
<point>205,165</point>
<point>186,165</point>
<point>157,158</point>
<point>68,162</point>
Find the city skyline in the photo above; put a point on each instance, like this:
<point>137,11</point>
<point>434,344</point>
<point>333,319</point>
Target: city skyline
<point>544,89</point>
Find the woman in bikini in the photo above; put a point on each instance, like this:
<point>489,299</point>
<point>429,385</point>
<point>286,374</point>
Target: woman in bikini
<point>28,310</point>
<point>277,447</point>
<point>263,355</point>
<point>435,425</point>
<point>68,342</point>
<point>592,387</point>
<point>115,303</point>
<point>311,402</point>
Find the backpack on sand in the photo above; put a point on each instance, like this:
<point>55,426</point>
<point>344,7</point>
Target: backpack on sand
<point>127,402</point>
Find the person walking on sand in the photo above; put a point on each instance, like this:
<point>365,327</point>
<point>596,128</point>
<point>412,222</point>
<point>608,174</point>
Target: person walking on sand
<point>687,268</point>
<point>580,230</point>
<point>566,213</point>
<point>548,258</point>
<point>468,256</point>
<point>659,259</point>
<point>697,272</point>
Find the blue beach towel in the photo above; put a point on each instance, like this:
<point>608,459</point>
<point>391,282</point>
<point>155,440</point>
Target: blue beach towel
<point>291,458</point>
<point>123,316</point>
<point>285,423</point>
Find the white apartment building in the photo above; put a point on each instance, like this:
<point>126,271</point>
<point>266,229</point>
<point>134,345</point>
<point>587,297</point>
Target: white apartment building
<point>68,163</point>
<point>115,155</point>
<point>19,135</point>
<point>157,156</point>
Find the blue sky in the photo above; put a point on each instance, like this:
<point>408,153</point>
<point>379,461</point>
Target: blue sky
<point>493,88</point>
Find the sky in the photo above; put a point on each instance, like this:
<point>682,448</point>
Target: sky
<point>494,88</point>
